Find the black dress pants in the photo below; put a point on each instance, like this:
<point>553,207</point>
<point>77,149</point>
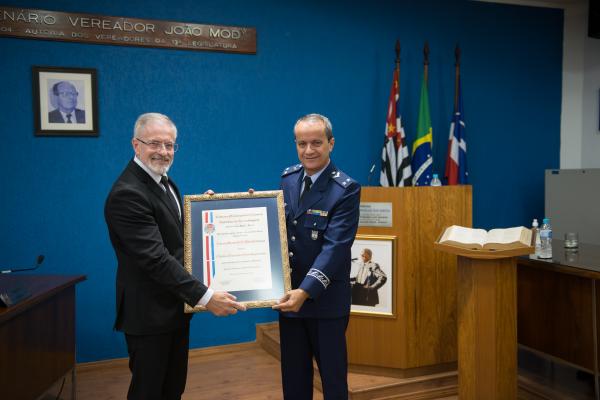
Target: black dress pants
<point>158,365</point>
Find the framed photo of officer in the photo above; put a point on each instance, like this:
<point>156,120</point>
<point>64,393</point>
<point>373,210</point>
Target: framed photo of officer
<point>237,242</point>
<point>372,275</point>
<point>65,101</point>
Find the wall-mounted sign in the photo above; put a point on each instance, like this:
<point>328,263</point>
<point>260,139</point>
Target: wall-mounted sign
<point>99,29</point>
<point>375,214</point>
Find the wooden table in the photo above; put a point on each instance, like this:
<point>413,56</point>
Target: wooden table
<point>557,309</point>
<point>37,335</point>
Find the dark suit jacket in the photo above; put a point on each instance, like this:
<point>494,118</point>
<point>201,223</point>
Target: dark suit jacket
<point>56,117</point>
<point>366,293</point>
<point>147,237</point>
<point>321,230</point>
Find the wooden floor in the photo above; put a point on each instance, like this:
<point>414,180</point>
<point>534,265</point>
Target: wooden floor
<point>238,372</point>
<point>250,371</point>
<point>244,372</point>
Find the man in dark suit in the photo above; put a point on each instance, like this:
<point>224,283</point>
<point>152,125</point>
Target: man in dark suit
<point>322,208</point>
<point>66,99</point>
<point>143,214</point>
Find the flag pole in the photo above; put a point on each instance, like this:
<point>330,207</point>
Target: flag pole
<point>422,160</point>
<point>456,159</point>
<point>457,76</point>
<point>398,63</point>
<point>425,62</point>
<point>398,139</point>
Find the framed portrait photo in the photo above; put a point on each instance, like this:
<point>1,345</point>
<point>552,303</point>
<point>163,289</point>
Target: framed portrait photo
<point>65,101</point>
<point>237,242</point>
<point>372,275</point>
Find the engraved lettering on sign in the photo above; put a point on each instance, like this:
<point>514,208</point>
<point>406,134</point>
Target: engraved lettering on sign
<point>44,32</point>
<point>184,30</point>
<point>225,33</point>
<point>98,29</point>
<point>107,24</point>
<point>28,17</point>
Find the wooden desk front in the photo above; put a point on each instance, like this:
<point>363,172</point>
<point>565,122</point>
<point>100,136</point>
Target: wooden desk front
<point>556,310</point>
<point>37,336</point>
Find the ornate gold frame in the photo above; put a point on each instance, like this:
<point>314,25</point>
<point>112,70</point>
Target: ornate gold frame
<point>278,194</point>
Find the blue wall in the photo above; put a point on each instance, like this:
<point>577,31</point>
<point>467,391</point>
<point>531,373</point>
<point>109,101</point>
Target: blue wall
<point>235,115</point>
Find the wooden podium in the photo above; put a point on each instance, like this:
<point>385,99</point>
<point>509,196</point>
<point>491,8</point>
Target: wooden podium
<point>37,335</point>
<point>487,322</point>
<point>421,336</point>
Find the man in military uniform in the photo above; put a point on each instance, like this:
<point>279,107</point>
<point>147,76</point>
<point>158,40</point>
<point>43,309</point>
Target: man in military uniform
<point>322,207</point>
<point>369,278</point>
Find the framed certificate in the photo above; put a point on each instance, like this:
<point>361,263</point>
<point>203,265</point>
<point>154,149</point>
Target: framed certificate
<point>237,242</point>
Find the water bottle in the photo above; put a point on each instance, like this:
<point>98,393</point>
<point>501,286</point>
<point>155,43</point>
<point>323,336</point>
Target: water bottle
<point>535,230</point>
<point>546,239</point>
<point>435,181</point>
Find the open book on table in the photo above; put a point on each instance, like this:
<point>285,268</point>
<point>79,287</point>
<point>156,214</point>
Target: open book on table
<point>480,239</point>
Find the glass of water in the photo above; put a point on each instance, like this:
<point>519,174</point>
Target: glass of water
<point>571,240</point>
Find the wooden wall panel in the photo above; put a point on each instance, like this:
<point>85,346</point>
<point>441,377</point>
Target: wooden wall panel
<point>487,341</point>
<point>555,314</point>
<point>424,330</point>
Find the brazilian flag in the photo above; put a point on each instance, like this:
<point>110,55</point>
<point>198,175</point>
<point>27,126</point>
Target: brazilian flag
<point>422,159</point>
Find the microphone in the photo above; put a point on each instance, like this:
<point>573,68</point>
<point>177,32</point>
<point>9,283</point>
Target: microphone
<point>370,174</point>
<point>354,259</point>
<point>38,261</point>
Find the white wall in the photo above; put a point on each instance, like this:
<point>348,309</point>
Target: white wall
<point>591,107</point>
<point>571,121</point>
<point>580,136</point>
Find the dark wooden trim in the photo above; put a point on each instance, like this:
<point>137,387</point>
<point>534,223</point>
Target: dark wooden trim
<point>41,287</point>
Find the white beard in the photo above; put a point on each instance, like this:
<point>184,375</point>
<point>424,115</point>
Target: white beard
<point>158,167</point>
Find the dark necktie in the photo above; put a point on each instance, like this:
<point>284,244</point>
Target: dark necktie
<point>307,185</point>
<point>165,181</point>
<point>69,119</point>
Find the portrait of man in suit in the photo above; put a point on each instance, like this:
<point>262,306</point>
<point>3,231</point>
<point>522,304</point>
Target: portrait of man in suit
<point>369,278</point>
<point>66,112</point>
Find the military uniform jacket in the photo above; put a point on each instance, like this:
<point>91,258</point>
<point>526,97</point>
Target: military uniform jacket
<point>321,230</point>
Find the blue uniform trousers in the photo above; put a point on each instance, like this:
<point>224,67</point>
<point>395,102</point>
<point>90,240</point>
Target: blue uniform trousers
<point>323,338</point>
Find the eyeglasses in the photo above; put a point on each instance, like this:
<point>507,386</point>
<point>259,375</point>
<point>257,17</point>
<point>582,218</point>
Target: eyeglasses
<point>68,94</point>
<point>156,146</point>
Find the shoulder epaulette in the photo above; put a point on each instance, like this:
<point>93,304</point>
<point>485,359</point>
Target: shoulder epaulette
<point>291,170</point>
<point>341,178</point>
